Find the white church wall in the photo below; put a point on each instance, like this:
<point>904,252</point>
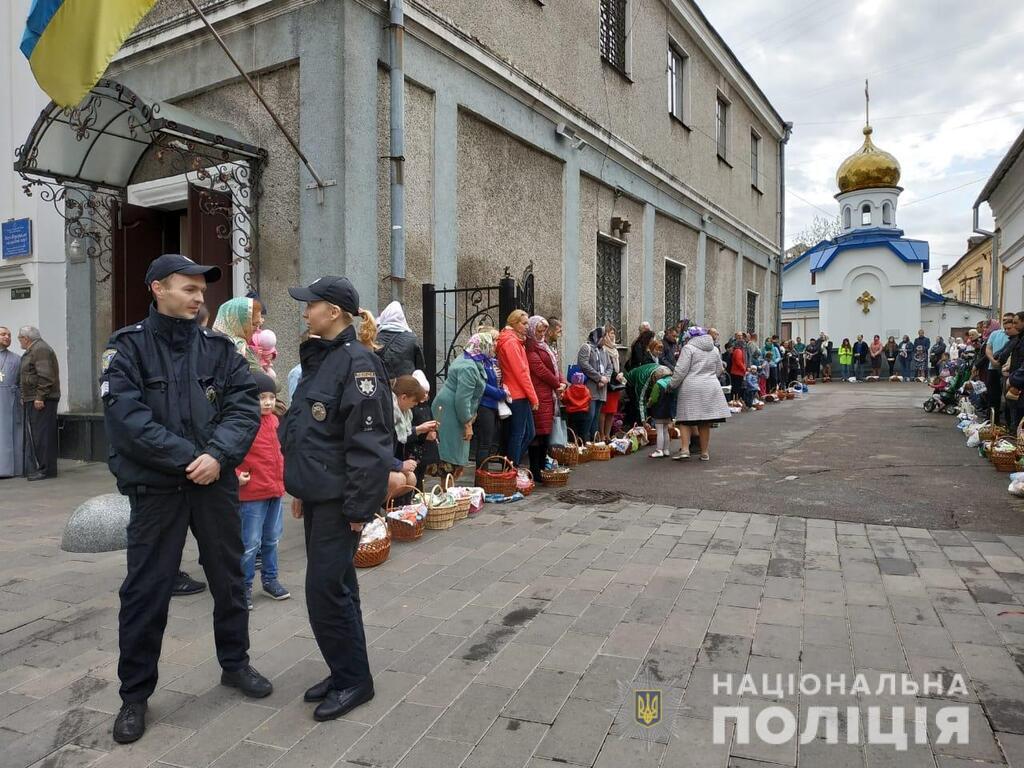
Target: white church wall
<point>796,283</point>
<point>940,319</point>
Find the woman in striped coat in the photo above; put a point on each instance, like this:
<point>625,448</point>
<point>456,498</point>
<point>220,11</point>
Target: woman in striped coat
<point>700,402</point>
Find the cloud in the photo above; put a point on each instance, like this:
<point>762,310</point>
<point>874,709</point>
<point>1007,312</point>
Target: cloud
<point>947,98</point>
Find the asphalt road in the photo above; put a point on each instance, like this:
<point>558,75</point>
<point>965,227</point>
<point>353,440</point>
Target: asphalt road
<point>853,452</point>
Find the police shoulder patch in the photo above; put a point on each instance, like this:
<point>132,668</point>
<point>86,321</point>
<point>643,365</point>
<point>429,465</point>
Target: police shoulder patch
<point>366,383</point>
<point>108,357</point>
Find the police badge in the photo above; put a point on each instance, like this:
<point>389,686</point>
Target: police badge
<point>366,382</point>
<point>108,356</point>
<point>319,411</point>
<point>211,394</point>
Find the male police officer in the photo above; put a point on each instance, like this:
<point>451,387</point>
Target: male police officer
<point>338,447</point>
<point>181,410</point>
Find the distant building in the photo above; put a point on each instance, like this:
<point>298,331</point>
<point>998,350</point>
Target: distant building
<point>970,279</point>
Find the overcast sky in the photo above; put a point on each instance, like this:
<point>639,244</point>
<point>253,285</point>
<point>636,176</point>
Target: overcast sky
<point>947,98</point>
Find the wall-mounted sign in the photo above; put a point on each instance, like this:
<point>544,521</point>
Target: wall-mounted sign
<point>17,238</point>
<point>23,292</point>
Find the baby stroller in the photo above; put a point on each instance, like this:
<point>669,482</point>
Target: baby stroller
<point>945,398</point>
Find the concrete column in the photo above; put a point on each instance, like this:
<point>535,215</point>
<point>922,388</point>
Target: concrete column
<point>571,338</point>
<point>647,308</point>
<point>362,32</point>
<point>82,394</point>
<point>700,288</point>
<point>446,207</point>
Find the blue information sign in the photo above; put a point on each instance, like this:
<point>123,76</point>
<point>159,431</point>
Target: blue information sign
<point>17,238</point>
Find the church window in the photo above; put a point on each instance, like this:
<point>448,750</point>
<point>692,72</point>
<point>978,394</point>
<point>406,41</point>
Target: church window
<point>865,214</point>
<point>751,312</point>
<point>887,213</point>
<point>846,217</point>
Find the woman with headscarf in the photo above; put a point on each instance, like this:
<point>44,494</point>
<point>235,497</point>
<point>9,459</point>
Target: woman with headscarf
<point>515,372</point>
<point>399,346</point>
<point>456,405</point>
<point>595,364</point>
<point>548,384</point>
<point>699,401</point>
<point>236,319</point>
<point>487,427</point>
<point>638,354</point>
<point>875,351</point>
<point>616,383</point>
<point>892,351</point>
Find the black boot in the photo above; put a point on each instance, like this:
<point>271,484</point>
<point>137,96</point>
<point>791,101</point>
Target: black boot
<point>248,681</point>
<point>319,691</point>
<point>338,703</point>
<point>130,723</point>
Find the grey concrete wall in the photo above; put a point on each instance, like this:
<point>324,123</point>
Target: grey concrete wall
<point>720,287</point>
<point>509,211</point>
<point>419,196</point>
<point>677,242</point>
<point>558,45</point>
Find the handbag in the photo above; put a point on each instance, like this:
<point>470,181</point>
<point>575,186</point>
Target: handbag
<point>572,371</point>
<point>503,410</point>
<point>559,436</point>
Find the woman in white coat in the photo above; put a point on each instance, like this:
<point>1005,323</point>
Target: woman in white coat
<point>700,402</point>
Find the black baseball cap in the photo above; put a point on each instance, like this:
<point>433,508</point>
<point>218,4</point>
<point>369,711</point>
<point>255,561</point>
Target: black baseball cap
<point>171,263</point>
<point>336,290</point>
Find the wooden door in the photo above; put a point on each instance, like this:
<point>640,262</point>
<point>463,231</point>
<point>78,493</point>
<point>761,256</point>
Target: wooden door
<point>138,240</point>
<point>210,228</point>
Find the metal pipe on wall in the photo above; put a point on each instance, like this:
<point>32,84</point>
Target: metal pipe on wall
<point>996,270</point>
<point>788,131</point>
<point>397,147</point>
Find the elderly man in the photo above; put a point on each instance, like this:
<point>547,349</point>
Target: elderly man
<point>11,439</point>
<point>39,378</point>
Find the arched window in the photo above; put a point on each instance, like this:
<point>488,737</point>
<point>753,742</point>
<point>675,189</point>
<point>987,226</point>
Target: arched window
<point>887,213</point>
<point>846,217</point>
<point>865,214</point>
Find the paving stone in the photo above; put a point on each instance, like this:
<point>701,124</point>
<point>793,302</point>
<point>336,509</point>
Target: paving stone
<point>471,714</point>
<point>573,652</point>
<point>778,611</point>
<point>578,732</point>
<point>388,741</point>
<point>724,652</point>
<point>434,753</point>
<point>827,630</point>
<point>541,696</point>
<point>630,640</point>
<point>219,736</point>
<point>914,610</point>
<point>507,744</point>
<point>446,682</point>
<point>872,620</point>
<point>921,640</point>
<point>729,620</point>
<point>778,642</point>
<point>389,689</point>
<point>878,652</point>
<point>513,665</point>
<point>636,753</point>
<point>602,679</point>
<point>757,749</point>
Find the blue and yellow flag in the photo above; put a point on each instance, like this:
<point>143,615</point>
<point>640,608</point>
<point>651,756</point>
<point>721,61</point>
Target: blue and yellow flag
<point>69,43</point>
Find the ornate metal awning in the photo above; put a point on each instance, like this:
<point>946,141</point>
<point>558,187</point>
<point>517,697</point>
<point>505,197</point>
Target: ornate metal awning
<point>84,159</point>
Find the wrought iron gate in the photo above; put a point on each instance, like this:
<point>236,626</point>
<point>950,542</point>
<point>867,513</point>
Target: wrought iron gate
<point>452,315</point>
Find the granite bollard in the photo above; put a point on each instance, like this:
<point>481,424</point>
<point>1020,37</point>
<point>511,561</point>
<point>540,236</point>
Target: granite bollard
<point>98,525</point>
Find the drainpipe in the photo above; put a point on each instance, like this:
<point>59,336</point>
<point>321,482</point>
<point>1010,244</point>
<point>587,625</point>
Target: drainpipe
<point>787,132</point>
<point>397,158</point>
<point>997,269</point>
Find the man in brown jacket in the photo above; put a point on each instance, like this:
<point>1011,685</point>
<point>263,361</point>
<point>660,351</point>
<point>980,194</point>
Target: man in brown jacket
<point>39,378</point>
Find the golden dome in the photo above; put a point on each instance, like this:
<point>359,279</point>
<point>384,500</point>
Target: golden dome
<point>868,168</point>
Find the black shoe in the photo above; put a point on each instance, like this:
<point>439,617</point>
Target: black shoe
<point>130,723</point>
<point>39,476</point>
<point>319,691</point>
<point>338,703</point>
<point>186,585</point>
<point>248,681</point>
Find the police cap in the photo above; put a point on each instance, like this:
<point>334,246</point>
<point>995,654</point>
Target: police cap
<point>336,290</point>
<point>171,263</point>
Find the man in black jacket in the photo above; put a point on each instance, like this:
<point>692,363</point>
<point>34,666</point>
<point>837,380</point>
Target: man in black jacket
<point>181,410</point>
<point>338,445</point>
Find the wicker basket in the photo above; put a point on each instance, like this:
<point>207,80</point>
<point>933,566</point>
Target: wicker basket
<point>566,455</point>
<point>582,449</point>
<point>441,509</point>
<point>374,553</point>
<point>502,482</point>
<point>402,531</point>
<point>1004,461</point>
<point>461,501</point>
<point>599,453</point>
<point>554,478</point>
<point>991,432</point>
<point>527,489</point>
<point>652,434</point>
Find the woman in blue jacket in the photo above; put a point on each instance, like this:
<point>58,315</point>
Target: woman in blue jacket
<point>487,428</point>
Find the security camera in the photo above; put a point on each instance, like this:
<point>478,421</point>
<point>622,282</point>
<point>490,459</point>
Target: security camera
<point>708,218</point>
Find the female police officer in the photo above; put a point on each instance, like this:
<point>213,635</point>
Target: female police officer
<point>338,445</point>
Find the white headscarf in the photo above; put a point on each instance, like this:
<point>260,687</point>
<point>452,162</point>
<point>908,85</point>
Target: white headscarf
<point>393,318</point>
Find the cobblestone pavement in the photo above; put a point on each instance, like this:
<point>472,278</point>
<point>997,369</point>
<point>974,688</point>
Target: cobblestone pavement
<point>504,641</point>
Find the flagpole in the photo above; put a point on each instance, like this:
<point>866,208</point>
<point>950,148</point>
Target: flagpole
<point>320,183</point>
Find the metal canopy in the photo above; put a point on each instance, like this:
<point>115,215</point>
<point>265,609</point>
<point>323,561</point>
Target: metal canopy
<point>100,143</point>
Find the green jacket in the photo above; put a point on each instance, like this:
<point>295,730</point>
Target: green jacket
<point>455,405</point>
<point>845,355</point>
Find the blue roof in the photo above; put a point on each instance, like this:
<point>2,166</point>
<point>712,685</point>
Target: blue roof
<point>929,296</point>
<point>910,251</point>
<point>808,304</point>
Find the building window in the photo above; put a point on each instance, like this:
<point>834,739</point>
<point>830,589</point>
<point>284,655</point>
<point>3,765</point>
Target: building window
<point>887,213</point>
<point>865,214</point>
<point>846,217</point>
<point>755,160</point>
<point>676,83</point>
<point>722,125</point>
<point>613,33</point>
<point>675,292</point>
<point>609,283</point>
<point>751,312</point>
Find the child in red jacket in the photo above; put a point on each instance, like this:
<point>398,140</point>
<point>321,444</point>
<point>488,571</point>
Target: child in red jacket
<point>261,487</point>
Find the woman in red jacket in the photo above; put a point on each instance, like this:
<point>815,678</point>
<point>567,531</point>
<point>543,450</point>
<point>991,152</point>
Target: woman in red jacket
<point>737,369</point>
<point>515,377</point>
<point>547,383</point>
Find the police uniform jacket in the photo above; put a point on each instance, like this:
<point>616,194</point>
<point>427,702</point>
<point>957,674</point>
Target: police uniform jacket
<point>338,435</point>
<point>171,392</point>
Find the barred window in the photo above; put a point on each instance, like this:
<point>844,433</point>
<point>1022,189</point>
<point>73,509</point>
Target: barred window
<point>675,291</point>
<point>609,283</point>
<point>722,126</point>
<point>613,33</point>
<point>751,312</point>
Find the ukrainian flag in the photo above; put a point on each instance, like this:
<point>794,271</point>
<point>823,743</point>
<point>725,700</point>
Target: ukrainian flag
<point>69,43</point>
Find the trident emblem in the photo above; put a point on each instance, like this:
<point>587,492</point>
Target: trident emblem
<point>865,300</point>
<point>648,708</point>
